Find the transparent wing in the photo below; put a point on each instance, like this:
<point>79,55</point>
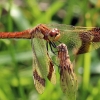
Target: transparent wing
<point>39,80</point>
<point>68,79</point>
<point>51,73</point>
<point>78,39</point>
<point>42,65</point>
<point>68,82</point>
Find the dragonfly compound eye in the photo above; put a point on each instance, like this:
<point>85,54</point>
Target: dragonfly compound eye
<point>55,33</point>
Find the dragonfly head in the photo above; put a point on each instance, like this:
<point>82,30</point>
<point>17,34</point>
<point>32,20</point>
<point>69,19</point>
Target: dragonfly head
<point>54,34</point>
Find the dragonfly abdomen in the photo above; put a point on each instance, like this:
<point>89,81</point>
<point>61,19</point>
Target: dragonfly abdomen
<point>23,34</point>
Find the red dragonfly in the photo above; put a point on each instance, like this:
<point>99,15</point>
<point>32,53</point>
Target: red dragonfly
<point>68,79</point>
<point>79,40</point>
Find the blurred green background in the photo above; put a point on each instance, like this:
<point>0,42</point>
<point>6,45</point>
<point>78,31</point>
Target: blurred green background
<point>16,82</point>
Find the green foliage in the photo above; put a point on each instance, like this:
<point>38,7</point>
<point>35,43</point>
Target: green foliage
<point>16,81</point>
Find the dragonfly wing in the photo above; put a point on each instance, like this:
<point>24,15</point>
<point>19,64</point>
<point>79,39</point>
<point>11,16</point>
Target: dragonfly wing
<point>68,83</point>
<point>42,65</point>
<point>51,73</point>
<point>68,80</point>
<point>39,81</point>
<point>78,39</point>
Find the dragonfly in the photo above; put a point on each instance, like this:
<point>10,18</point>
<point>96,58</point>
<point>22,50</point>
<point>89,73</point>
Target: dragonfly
<point>68,80</point>
<point>79,40</point>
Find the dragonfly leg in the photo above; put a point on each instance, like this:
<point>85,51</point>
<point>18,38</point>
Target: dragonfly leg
<point>52,44</point>
<point>47,45</point>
